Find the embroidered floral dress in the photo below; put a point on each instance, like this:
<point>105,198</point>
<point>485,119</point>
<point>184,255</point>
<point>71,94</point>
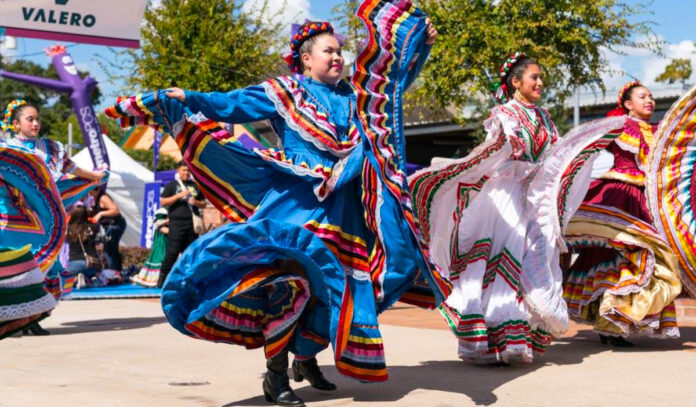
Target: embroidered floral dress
<point>494,222</point>
<point>61,167</point>
<point>32,230</point>
<point>625,278</point>
<point>70,189</point>
<point>323,237</point>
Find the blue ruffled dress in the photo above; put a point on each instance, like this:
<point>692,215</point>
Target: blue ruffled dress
<point>323,238</point>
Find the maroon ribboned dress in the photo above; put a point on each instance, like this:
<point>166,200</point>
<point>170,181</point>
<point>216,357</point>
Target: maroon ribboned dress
<point>608,264</point>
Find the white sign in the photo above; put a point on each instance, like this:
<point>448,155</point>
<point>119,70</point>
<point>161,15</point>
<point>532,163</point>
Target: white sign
<point>102,22</point>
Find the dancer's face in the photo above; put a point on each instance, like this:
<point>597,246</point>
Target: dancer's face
<point>641,103</point>
<point>324,62</point>
<point>27,122</point>
<point>530,84</point>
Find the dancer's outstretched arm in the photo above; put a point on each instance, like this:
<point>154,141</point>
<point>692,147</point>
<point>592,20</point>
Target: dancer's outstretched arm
<point>238,106</point>
<point>87,174</point>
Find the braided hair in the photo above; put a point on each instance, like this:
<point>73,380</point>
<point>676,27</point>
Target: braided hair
<point>513,67</point>
<point>12,112</point>
<point>624,96</point>
<point>303,41</point>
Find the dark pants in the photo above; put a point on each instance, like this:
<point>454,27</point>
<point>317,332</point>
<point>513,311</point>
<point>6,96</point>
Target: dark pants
<point>180,236</point>
<point>112,237</point>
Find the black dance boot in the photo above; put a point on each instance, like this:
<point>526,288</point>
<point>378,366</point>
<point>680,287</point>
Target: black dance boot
<point>35,329</point>
<point>276,384</point>
<point>309,369</point>
<point>616,341</point>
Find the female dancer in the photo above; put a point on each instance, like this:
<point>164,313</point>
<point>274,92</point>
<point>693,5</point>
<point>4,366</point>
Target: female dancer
<point>23,122</point>
<point>494,221</point>
<point>487,310</point>
<point>625,278</point>
<point>31,233</point>
<point>327,239</point>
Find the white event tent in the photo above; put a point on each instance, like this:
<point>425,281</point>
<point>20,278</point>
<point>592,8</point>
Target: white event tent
<point>126,187</point>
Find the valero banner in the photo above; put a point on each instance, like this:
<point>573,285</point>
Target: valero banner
<point>102,22</point>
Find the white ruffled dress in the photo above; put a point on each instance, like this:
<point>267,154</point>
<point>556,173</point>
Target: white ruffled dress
<point>494,220</point>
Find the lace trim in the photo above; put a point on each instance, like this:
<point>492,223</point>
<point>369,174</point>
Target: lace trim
<point>283,112</point>
<point>23,310</point>
<point>33,276</point>
<point>623,291</point>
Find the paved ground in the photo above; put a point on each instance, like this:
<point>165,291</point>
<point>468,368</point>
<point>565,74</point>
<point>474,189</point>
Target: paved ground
<point>123,353</point>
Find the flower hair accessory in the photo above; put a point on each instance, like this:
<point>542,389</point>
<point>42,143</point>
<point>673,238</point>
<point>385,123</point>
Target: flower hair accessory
<point>7,117</point>
<point>620,110</point>
<point>500,88</point>
<point>625,89</point>
<point>304,32</point>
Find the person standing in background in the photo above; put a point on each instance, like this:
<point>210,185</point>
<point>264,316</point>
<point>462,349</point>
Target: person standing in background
<point>107,214</point>
<point>180,203</point>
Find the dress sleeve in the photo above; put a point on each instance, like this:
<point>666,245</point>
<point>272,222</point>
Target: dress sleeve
<point>238,106</point>
<point>68,165</point>
<point>501,122</point>
<point>417,65</point>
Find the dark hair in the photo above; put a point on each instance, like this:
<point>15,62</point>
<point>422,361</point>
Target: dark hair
<point>19,109</point>
<point>180,164</point>
<point>516,71</point>
<point>78,226</point>
<point>626,95</point>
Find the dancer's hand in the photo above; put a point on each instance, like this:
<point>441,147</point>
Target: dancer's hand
<point>176,93</point>
<point>431,32</point>
<point>99,175</point>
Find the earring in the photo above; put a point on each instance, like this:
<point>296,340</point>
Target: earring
<point>518,94</point>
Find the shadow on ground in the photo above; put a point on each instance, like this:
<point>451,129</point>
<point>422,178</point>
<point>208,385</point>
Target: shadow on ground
<point>103,325</point>
<point>476,382</point>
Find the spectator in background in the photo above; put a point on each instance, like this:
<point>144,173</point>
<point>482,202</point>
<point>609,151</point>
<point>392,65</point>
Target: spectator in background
<point>83,259</point>
<point>180,197</point>
<point>107,214</point>
<point>149,273</point>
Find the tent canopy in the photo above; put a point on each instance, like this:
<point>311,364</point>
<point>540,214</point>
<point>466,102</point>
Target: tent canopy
<point>126,187</point>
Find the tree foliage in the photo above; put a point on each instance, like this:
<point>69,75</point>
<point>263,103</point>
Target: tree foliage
<point>145,157</point>
<point>678,70</point>
<point>54,108</point>
<point>569,38</point>
<point>202,45</point>
<point>347,24</point>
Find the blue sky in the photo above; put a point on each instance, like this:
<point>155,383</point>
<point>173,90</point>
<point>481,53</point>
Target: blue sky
<point>673,18</point>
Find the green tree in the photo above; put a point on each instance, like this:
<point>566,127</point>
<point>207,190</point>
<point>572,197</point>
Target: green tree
<point>568,37</point>
<point>347,24</point>
<point>144,157</point>
<point>679,70</point>
<point>55,108</point>
<point>201,45</point>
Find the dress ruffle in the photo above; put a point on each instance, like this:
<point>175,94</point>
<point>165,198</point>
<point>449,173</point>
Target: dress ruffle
<point>30,204</point>
<point>235,285</point>
<point>671,184</point>
<point>496,224</point>
<point>625,279</point>
<point>23,299</point>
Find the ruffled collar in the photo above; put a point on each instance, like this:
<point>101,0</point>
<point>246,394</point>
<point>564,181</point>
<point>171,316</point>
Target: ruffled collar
<point>639,120</point>
<point>524,104</point>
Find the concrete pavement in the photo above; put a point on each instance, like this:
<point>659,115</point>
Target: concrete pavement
<point>124,353</point>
